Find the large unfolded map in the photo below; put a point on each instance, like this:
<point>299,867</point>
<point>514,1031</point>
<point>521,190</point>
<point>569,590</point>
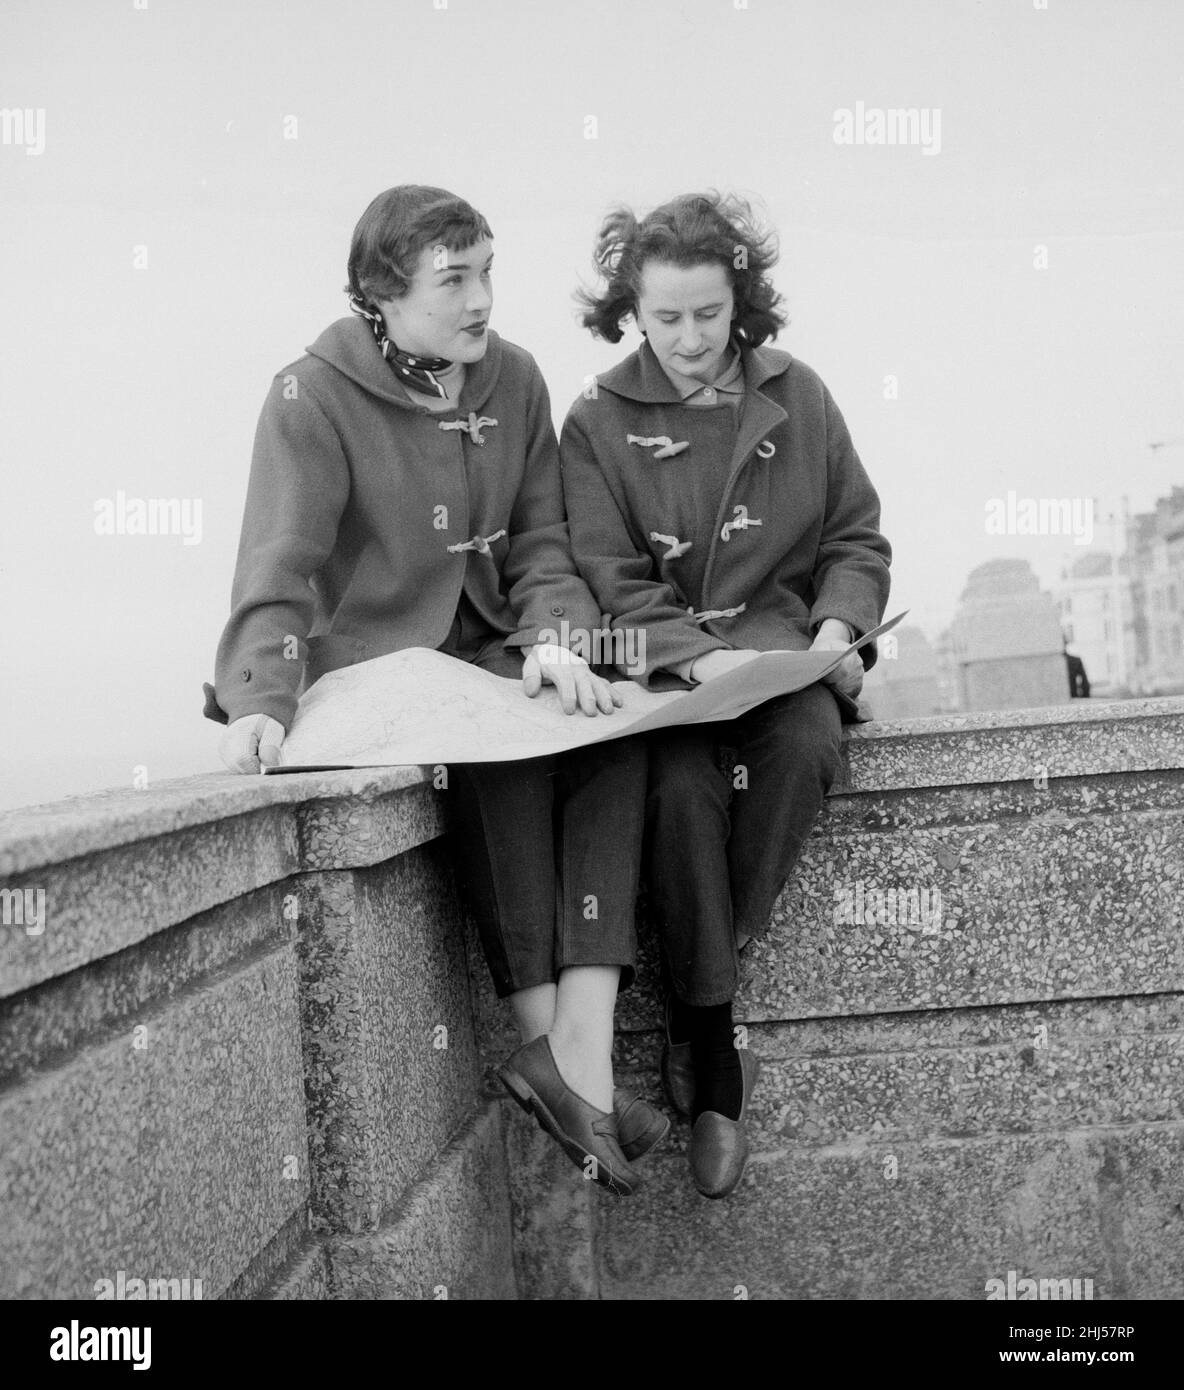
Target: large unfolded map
<point>420,706</point>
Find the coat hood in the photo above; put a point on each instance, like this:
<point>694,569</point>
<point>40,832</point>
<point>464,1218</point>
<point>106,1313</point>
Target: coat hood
<point>348,345</point>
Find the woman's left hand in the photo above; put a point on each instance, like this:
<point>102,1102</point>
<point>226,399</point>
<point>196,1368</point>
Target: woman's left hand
<point>847,677</point>
<point>571,675</point>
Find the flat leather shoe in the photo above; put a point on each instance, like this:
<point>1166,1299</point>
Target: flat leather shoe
<point>640,1127</point>
<point>581,1131</point>
<point>719,1146</point>
<point>678,1073</point>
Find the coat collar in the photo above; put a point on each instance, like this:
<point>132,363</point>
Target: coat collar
<point>348,344</point>
<point>640,376</point>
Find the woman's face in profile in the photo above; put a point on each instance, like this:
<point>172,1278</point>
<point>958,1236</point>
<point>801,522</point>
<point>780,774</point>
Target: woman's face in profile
<point>686,313</point>
<point>445,311</point>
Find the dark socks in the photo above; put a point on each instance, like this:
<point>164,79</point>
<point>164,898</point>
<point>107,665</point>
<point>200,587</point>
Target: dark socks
<point>680,1020</point>
<point>719,1083</point>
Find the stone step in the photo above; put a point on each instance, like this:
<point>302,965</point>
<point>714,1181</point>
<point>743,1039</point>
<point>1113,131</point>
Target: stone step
<point>942,1222</point>
<point>967,1074</point>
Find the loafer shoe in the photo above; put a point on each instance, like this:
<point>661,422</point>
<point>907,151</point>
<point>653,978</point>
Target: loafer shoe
<point>719,1146</point>
<point>640,1126</point>
<point>678,1073</point>
<point>588,1136</point>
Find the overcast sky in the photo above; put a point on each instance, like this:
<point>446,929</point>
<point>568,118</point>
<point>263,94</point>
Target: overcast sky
<point>164,249</point>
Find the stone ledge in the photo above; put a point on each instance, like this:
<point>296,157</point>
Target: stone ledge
<point>1073,739</point>
<point>33,836</point>
<point>950,1074</point>
<point>187,849</point>
<point>1078,738</point>
<point>350,818</point>
<point>43,1027</point>
<point>107,901</point>
<point>1073,892</point>
<point>359,831</point>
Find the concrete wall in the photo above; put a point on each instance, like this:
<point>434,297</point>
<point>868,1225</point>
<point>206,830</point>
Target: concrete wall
<point>252,1044</point>
<point>945,1101</point>
<point>241,1049</point>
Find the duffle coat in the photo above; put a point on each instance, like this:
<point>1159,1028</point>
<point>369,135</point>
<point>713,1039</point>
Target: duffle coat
<point>367,517</point>
<point>795,536</point>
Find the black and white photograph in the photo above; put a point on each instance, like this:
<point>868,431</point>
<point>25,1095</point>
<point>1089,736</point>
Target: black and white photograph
<point>593,703</point>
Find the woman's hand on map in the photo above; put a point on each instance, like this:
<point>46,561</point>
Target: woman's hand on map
<point>252,743</point>
<point>847,677</point>
<point>551,664</point>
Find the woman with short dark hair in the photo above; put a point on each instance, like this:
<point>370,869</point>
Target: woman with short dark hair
<point>405,492</point>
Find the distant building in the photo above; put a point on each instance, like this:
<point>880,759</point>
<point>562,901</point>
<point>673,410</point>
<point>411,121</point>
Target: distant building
<point>1155,550</point>
<point>948,685</point>
<point>1096,605</point>
<point>903,682</point>
<point>1005,646</point>
<point>1121,611</point>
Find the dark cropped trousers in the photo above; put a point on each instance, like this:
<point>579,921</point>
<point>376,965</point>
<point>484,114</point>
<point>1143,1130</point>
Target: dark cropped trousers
<point>721,843</point>
<point>549,855</point>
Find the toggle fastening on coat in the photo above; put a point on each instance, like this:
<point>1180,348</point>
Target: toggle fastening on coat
<point>669,449</point>
<point>480,544</point>
<point>677,547</point>
<point>742,521</point>
<point>472,426</point>
<point>709,613</point>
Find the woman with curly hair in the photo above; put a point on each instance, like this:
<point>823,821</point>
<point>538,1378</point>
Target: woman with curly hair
<point>718,508</point>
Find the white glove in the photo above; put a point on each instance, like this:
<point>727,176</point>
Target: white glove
<point>252,743</point>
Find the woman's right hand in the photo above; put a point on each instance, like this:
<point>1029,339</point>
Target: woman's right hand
<point>719,663</point>
<point>252,743</point>
<point>571,676</point>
